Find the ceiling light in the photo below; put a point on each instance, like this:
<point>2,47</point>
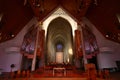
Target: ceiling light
<point>12,35</point>
<point>107,35</point>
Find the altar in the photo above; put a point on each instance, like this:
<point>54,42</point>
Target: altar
<point>59,69</point>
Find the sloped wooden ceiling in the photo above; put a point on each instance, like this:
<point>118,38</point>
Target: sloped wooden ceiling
<point>16,13</point>
<point>103,16</point>
<point>14,17</point>
<point>76,8</point>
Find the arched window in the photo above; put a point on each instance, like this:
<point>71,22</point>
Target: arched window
<point>59,47</point>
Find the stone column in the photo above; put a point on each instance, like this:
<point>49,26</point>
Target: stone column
<point>36,45</point>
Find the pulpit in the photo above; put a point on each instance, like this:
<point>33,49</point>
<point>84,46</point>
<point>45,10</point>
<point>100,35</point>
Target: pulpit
<point>91,71</point>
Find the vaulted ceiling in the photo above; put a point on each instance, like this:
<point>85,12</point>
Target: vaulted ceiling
<point>102,13</point>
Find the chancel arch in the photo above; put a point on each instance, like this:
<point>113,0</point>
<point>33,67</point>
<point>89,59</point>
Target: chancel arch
<point>59,39</point>
<point>58,24</point>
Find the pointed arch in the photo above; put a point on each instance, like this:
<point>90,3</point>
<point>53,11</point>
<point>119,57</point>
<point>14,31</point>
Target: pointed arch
<point>59,32</point>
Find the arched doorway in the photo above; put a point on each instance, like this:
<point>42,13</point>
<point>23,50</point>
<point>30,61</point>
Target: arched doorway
<point>59,41</point>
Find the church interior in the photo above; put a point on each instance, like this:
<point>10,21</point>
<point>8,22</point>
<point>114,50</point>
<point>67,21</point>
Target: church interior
<point>59,39</point>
